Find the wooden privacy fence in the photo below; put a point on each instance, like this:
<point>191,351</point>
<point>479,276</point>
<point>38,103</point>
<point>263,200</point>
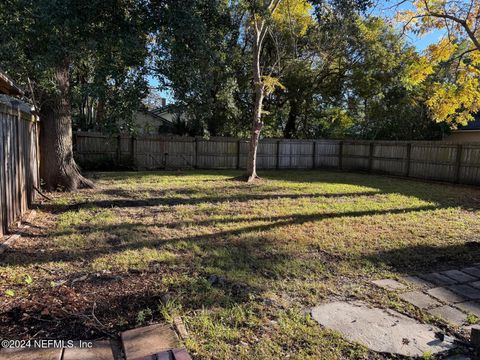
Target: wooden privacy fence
<point>419,159</point>
<point>18,160</point>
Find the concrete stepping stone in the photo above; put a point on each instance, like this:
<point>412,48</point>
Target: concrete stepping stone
<point>445,295</point>
<point>380,330</point>
<point>458,276</point>
<point>419,299</point>
<point>450,314</point>
<point>470,307</point>
<point>389,284</point>
<point>417,282</point>
<point>101,350</point>
<point>473,270</point>
<point>31,354</point>
<point>438,279</point>
<point>466,291</point>
<point>149,340</point>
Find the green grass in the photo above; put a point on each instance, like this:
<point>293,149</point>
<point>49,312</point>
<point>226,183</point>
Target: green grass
<point>292,240</point>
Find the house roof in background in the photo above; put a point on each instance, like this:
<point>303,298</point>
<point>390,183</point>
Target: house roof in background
<point>472,125</point>
<point>7,86</point>
<point>156,113</point>
<point>16,103</point>
<point>161,110</point>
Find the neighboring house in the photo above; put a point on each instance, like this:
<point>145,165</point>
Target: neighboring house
<point>154,121</point>
<point>467,133</point>
<point>166,112</point>
<point>8,87</point>
<point>149,122</point>
<point>10,94</point>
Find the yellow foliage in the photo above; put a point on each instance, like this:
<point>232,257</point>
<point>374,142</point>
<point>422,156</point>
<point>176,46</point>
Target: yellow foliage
<point>293,16</point>
<point>457,96</point>
<point>455,102</point>
<point>475,59</point>
<point>418,71</point>
<point>441,51</point>
<point>271,83</point>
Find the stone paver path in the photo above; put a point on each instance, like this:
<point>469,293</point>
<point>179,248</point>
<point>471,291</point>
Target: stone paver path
<point>389,284</point>
<point>450,295</point>
<point>381,330</point>
<point>420,299</point>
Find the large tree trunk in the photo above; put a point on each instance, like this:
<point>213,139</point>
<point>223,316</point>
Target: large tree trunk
<point>257,123</point>
<point>58,170</point>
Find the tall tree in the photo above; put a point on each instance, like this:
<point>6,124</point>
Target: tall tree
<point>48,41</point>
<point>451,67</point>
<point>197,55</point>
<point>260,16</point>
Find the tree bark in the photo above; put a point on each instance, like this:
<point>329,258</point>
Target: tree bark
<point>257,123</point>
<point>58,169</point>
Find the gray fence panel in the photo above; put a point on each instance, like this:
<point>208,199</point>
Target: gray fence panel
<point>18,163</point>
<point>426,160</point>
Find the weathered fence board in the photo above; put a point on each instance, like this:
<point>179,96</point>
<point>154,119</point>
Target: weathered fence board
<point>18,161</point>
<point>327,153</point>
<point>426,160</point>
<point>217,154</point>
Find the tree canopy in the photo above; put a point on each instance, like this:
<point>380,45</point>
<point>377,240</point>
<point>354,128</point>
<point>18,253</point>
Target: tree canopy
<point>298,68</point>
<point>331,70</point>
<point>449,69</point>
<point>80,59</point>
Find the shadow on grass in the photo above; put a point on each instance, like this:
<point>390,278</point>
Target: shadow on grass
<point>444,195</point>
<point>163,201</point>
<point>378,185</point>
<point>427,258</point>
<point>19,258</point>
<point>250,262</point>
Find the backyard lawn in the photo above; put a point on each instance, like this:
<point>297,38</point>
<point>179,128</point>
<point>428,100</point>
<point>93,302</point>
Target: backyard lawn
<point>239,262</point>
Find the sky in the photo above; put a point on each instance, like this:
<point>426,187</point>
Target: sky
<point>384,8</point>
<point>388,9</point>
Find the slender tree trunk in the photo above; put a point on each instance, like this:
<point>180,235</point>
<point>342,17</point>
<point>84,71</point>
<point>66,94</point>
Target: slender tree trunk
<point>58,170</point>
<point>100,115</point>
<point>260,30</point>
<point>257,122</point>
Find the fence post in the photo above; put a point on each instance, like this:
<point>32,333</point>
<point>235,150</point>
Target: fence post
<point>409,155</point>
<point>132,150</point>
<point>3,179</point>
<point>458,163</point>
<point>314,154</point>
<point>74,141</point>
<point>196,153</point>
<point>119,149</point>
<point>238,155</point>
<point>370,156</point>
<point>340,155</point>
<point>277,164</point>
